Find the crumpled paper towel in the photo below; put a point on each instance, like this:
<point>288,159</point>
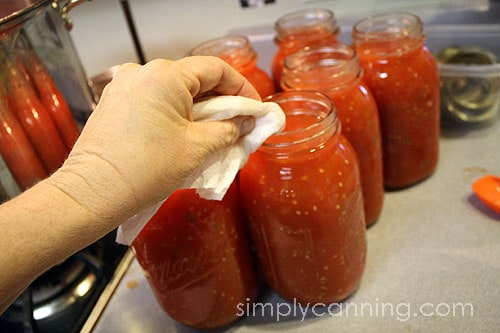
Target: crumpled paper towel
<point>213,178</point>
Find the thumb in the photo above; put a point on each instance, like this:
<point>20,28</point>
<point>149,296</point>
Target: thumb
<point>243,125</point>
<point>215,135</point>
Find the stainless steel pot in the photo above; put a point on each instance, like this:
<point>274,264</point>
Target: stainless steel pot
<point>46,25</point>
<point>42,26</point>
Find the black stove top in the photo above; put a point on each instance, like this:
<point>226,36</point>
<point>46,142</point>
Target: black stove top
<point>62,298</point>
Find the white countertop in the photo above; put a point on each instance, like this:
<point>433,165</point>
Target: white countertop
<point>433,249</point>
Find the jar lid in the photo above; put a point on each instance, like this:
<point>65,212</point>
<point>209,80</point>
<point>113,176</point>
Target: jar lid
<point>13,12</point>
<point>469,85</point>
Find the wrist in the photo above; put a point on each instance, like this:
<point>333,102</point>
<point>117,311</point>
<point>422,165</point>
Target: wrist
<point>96,188</point>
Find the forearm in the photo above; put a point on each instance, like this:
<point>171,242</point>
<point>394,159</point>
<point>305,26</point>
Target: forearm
<point>136,148</point>
<point>41,228</point>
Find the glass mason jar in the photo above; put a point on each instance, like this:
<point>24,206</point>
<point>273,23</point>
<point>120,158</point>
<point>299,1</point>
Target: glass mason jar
<point>403,76</point>
<point>196,258</point>
<point>299,29</point>
<point>237,51</point>
<point>302,197</point>
<point>335,71</point>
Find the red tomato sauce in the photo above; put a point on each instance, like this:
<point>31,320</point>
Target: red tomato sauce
<point>305,213</point>
<point>197,260</point>
<point>300,29</point>
<point>296,42</point>
<point>406,88</point>
<point>404,79</point>
<point>357,107</point>
<point>334,70</point>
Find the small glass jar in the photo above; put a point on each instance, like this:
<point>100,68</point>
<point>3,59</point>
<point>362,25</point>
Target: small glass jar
<point>334,70</point>
<point>197,260</point>
<point>237,51</point>
<point>300,29</point>
<point>302,197</point>
<point>403,76</point>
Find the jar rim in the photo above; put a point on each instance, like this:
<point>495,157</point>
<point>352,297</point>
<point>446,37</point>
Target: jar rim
<point>338,53</point>
<point>394,25</point>
<point>306,18</point>
<point>220,45</point>
<point>332,66</point>
<point>327,118</point>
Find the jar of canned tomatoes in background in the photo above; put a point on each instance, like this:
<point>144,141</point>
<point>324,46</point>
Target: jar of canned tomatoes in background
<point>302,198</point>
<point>196,258</point>
<point>299,29</point>
<point>237,51</point>
<point>334,70</point>
<point>403,76</point>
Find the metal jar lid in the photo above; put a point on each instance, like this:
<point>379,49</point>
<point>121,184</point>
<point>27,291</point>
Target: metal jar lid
<point>469,97</point>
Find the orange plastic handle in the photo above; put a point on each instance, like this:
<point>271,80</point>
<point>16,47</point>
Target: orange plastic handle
<point>487,189</point>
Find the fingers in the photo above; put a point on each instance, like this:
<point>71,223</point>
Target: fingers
<point>205,75</point>
<point>202,75</point>
<point>179,82</point>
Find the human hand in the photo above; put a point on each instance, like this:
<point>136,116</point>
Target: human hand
<point>139,144</point>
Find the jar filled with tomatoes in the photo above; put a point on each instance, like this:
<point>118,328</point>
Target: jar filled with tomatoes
<point>299,29</point>
<point>304,206</point>
<point>334,70</point>
<point>403,76</point>
<point>197,260</point>
<point>237,51</point>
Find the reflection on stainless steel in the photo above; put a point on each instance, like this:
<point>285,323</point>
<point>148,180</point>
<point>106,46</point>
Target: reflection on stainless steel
<point>8,185</point>
<point>470,97</point>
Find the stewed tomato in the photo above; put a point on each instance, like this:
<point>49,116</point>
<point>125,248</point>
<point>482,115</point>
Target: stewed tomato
<point>303,202</point>
<point>196,257</point>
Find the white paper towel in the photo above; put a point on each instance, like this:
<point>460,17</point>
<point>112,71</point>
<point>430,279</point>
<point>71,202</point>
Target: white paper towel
<point>213,178</point>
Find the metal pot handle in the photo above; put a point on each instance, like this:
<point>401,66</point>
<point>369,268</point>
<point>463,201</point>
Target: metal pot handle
<point>64,7</point>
